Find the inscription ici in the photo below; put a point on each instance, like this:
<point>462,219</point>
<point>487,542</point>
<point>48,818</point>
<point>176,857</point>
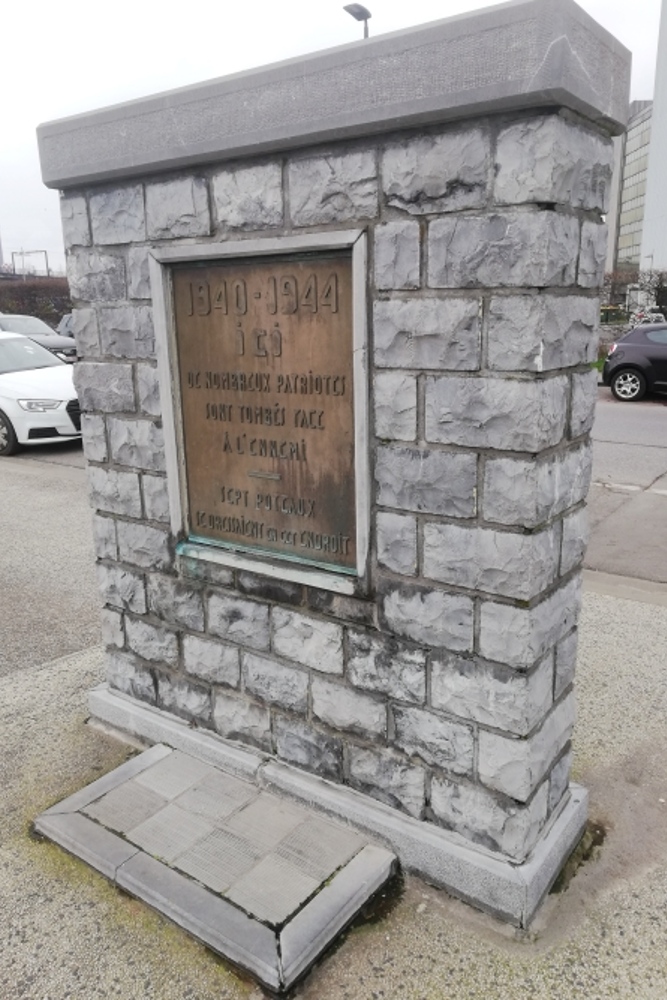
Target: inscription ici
<point>265,370</point>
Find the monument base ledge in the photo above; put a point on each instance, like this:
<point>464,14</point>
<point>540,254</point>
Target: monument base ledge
<point>507,890</point>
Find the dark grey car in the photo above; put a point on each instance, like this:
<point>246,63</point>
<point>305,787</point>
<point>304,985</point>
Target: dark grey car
<point>637,363</point>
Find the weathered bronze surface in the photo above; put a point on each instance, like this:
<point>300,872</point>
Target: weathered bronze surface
<point>265,370</point>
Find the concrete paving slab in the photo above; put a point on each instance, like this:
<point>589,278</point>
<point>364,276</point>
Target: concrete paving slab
<point>174,775</point>
<point>231,889</point>
<point>170,832</point>
<point>217,796</point>
<point>266,821</point>
<point>319,849</point>
<point>273,890</point>
<point>218,860</point>
<point>634,539</point>
<point>628,464</point>
<point>126,807</point>
<point>602,502</point>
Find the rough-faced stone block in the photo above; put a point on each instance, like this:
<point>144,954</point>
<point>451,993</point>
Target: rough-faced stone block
<point>342,708</point>
<point>122,588</point>
<point>126,674</point>
<point>397,255</point>
<point>388,778</point>
<point>105,387</point>
<point>143,545</point>
<point>437,740</point>
<point>576,535</point>
<point>584,398</point>
<point>74,217</point>
<point>152,642</point>
<point>397,542</point>
<point>127,331</point>
<point>138,443</point>
<point>113,633</point>
<point>541,332</point>
<point>236,718</point>
<point>593,255</point>
<point>156,498</point>
<point>86,333</point>
<point>245,622</point>
<point>104,537</point>
<point>427,333</point>
<point>117,215</point>
<point>438,173</point>
<point>395,406</point>
<point>93,431</point>
<point>175,602</point>
<point>427,615</point>
<point>529,492</point>
<point>378,663</point>
<point>95,277</point>
<point>213,662</point>
<point>432,482</point>
<point>566,662</point>
<point>508,414</point>
<point>280,591</point>
<point>148,390</point>
<point>274,683</point>
<point>498,562</point>
<point>309,641</point>
<point>327,189</point>
<point>559,780</point>
<point>138,276</point>
<point>537,249</point>
<point>185,699</point>
<point>520,636</point>
<point>177,208</point>
<point>302,744</point>
<point>115,492</point>
<point>517,766</point>
<point>249,198</point>
<point>550,160</point>
<point>349,609</point>
<point>492,695</point>
<point>490,821</point>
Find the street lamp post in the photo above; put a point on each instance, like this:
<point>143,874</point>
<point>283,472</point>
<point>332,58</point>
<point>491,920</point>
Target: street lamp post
<point>360,13</point>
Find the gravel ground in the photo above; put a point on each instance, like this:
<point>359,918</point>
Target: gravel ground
<point>68,934</point>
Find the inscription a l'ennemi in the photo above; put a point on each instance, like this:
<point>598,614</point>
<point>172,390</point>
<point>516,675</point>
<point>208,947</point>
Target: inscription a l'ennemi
<point>265,370</point>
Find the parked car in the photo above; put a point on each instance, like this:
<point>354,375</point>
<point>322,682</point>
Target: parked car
<point>41,333</point>
<point>637,363</point>
<point>66,326</point>
<point>38,402</point>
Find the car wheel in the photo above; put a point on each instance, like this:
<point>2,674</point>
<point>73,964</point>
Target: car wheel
<point>628,385</point>
<point>8,443</point>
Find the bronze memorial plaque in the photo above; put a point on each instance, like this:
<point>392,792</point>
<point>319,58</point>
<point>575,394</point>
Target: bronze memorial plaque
<point>265,370</point>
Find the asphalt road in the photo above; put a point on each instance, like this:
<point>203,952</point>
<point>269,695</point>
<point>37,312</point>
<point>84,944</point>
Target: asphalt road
<point>49,605</point>
<point>628,497</point>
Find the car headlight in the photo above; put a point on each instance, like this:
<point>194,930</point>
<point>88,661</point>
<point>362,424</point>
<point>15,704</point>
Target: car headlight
<point>39,405</point>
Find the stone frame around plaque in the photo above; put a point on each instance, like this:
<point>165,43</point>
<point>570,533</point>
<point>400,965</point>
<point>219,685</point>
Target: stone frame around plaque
<point>161,262</point>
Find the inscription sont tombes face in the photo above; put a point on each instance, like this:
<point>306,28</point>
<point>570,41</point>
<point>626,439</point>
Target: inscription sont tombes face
<point>266,381</point>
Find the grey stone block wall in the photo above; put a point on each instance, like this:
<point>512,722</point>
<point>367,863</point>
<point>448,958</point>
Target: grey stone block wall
<point>444,686</point>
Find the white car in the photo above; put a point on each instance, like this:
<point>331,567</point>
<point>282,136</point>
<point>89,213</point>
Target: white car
<point>38,402</point>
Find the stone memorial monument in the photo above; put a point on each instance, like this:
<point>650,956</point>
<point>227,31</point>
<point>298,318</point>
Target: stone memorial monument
<point>336,319</point>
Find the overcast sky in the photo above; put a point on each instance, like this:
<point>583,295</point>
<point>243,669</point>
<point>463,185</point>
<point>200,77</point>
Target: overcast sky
<point>74,56</point>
